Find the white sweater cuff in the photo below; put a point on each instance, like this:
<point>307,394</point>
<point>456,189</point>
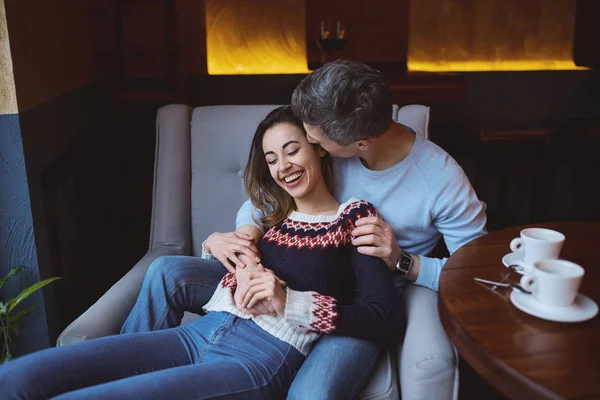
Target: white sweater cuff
<point>206,255</point>
<point>298,308</point>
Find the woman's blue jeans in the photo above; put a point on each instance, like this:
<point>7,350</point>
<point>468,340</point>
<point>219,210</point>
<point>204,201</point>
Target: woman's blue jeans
<point>337,367</point>
<point>217,356</point>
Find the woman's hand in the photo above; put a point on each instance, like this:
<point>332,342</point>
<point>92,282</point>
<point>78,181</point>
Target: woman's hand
<point>376,238</point>
<point>226,247</point>
<point>243,280</point>
<point>264,285</point>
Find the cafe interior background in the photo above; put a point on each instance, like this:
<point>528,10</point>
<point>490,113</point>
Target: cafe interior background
<point>512,86</point>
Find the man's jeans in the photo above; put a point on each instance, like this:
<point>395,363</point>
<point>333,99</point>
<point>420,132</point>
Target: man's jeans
<point>217,356</point>
<point>337,367</point>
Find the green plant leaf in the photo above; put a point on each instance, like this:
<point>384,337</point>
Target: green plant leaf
<point>11,273</point>
<point>3,308</point>
<point>25,293</point>
<point>15,318</point>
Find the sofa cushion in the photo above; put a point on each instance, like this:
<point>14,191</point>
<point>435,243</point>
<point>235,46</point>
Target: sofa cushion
<point>220,142</point>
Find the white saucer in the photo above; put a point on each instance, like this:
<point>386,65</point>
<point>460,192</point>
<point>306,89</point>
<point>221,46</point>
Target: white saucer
<point>515,259</point>
<point>582,309</point>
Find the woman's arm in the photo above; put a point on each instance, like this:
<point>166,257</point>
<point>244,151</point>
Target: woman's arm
<point>375,314</point>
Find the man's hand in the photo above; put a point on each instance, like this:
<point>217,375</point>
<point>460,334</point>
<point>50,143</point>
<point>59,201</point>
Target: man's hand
<point>265,286</point>
<point>376,238</point>
<point>228,246</point>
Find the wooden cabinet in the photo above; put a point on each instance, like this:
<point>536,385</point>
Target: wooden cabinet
<point>141,40</point>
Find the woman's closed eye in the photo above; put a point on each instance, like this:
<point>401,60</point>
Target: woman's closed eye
<point>272,161</point>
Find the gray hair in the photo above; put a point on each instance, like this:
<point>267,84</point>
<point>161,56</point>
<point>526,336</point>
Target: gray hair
<point>347,100</point>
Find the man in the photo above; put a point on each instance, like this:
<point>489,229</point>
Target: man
<point>420,191</point>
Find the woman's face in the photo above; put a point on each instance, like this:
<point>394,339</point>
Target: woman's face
<point>294,163</point>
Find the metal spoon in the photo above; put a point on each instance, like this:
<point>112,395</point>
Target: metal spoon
<point>505,284</point>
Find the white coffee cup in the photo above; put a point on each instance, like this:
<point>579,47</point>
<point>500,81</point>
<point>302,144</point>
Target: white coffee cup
<point>554,283</point>
<point>538,244</point>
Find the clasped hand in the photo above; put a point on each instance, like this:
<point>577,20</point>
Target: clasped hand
<point>259,291</point>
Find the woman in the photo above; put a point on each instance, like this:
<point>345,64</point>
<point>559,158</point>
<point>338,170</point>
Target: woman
<point>331,288</point>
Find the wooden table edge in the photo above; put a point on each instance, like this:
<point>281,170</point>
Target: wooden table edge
<point>500,375</point>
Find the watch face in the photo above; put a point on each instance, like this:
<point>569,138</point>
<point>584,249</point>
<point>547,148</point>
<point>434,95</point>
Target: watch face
<point>404,263</point>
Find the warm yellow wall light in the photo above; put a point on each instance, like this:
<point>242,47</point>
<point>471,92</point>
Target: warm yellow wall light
<point>491,35</point>
<point>256,37</point>
<point>471,66</point>
<point>269,37</point>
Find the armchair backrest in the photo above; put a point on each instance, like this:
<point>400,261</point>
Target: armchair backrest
<point>221,137</point>
<point>201,154</point>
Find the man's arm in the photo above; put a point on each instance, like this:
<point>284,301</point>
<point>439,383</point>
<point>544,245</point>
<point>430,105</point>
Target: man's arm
<point>457,214</point>
<point>226,247</point>
<point>460,217</point>
<point>248,215</point>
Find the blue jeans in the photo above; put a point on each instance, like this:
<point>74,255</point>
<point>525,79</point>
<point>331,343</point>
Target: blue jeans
<point>219,355</point>
<point>172,285</point>
<point>337,367</point>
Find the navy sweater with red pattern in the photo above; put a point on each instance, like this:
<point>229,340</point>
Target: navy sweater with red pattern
<point>350,294</point>
<point>331,287</point>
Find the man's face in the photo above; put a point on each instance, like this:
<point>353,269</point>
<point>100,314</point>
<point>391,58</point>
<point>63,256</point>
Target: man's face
<point>315,136</point>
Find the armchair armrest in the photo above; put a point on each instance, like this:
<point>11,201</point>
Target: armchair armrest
<point>428,361</point>
<point>169,232</point>
<point>107,315</point>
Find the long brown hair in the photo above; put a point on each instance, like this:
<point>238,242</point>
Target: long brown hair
<point>266,195</point>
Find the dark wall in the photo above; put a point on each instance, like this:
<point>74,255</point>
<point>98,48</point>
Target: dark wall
<point>68,186</point>
<point>63,116</point>
<point>526,99</point>
<point>527,179</point>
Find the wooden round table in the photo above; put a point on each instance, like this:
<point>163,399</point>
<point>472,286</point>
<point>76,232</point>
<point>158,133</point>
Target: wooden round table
<point>521,355</point>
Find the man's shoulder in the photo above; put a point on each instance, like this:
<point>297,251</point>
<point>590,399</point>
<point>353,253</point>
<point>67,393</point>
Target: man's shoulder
<point>435,162</point>
<point>430,160</point>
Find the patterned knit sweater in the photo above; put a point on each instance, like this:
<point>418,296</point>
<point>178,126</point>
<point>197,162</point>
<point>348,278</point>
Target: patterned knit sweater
<point>331,287</point>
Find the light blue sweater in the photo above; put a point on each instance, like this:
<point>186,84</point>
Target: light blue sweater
<point>423,197</point>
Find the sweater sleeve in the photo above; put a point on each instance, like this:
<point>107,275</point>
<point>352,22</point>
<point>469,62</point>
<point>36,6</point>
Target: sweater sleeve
<point>374,315</point>
<point>205,254</point>
<point>458,215</point>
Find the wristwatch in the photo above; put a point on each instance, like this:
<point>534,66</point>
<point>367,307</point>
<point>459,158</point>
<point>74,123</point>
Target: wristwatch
<point>404,263</point>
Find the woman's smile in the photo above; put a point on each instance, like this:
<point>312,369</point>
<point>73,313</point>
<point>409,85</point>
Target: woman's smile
<point>293,180</point>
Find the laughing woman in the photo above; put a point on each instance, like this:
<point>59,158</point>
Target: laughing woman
<point>331,289</point>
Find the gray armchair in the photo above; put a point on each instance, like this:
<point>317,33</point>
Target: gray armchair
<point>198,187</point>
